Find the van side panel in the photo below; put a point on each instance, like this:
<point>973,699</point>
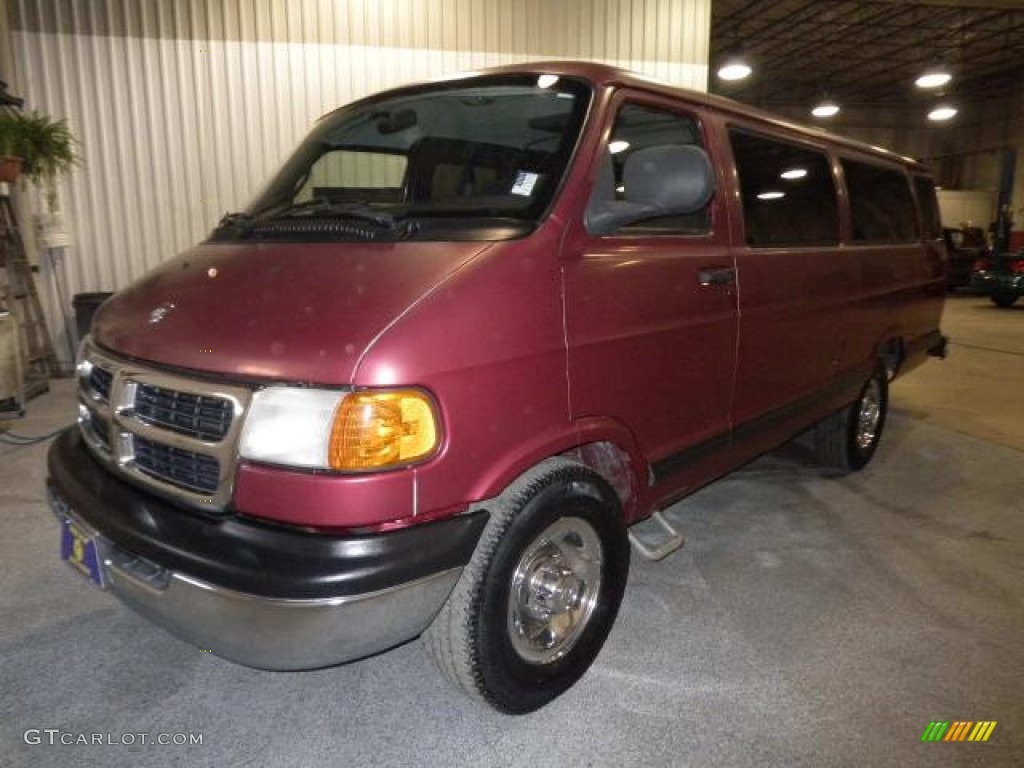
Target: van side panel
<point>649,346</point>
<point>904,283</point>
<point>489,343</point>
<point>797,309</point>
<point>814,318</point>
<point>796,302</point>
<point>902,296</point>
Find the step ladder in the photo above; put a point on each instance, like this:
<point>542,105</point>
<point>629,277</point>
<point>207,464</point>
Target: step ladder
<point>38,359</point>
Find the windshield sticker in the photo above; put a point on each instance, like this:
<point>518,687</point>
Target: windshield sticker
<point>525,182</point>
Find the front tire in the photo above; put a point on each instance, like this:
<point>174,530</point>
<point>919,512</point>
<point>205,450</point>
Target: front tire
<point>847,440</point>
<point>535,604</point>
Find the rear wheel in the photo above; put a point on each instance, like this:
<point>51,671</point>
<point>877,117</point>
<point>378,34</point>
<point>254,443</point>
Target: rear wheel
<point>539,597</point>
<point>1005,299</point>
<point>847,439</point>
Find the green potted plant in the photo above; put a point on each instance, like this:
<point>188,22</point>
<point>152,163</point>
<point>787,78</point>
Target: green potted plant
<point>42,149</point>
<point>47,148</point>
<point>10,146</point>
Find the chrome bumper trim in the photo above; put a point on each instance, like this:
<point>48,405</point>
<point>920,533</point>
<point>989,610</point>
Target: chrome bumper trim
<point>271,633</point>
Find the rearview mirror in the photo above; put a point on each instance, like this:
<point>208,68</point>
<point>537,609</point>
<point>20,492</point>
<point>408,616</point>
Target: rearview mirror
<point>393,122</point>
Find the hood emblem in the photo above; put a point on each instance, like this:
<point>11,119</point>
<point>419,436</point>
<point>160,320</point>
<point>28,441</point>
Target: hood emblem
<point>160,312</point>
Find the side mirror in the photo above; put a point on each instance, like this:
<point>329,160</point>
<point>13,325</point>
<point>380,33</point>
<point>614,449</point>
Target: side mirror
<point>659,181</point>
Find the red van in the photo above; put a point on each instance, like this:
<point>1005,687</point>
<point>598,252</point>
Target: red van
<point>470,334</point>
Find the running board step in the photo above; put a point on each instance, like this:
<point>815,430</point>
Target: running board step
<point>655,538</point>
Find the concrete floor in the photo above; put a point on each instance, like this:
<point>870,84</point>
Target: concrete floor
<point>980,389</point>
<point>809,621</point>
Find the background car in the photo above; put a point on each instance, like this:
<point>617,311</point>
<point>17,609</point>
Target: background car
<point>1000,276</point>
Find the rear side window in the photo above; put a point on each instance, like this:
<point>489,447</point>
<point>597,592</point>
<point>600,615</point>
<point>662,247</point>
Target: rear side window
<point>881,205</point>
<point>789,197</point>
<point>931,223</point>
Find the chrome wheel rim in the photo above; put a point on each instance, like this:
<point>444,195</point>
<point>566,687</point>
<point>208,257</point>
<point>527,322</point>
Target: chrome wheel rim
<point>554,591</point>
<point>869,416</point>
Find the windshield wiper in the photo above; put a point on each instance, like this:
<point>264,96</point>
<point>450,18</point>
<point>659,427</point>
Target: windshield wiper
<point>238,222</point>
<point>320,206</point>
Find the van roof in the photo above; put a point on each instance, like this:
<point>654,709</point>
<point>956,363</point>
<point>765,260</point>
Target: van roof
<point>605,75</point>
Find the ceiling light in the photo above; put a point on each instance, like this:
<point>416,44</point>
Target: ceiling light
<point>546,81</point>
<point>935,76</point>
<point>794,173</point>
<point>734,68</point>
<point>826,108</point>
<point>771,195</point>
<point>942,112</point>
<point>618,146</point>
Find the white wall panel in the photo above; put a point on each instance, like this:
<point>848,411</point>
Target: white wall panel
<point>184,107</point>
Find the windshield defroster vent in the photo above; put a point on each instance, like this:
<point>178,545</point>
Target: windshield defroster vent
<point>313,229</point>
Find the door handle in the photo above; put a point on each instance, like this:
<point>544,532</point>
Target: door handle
<point>716,276</point>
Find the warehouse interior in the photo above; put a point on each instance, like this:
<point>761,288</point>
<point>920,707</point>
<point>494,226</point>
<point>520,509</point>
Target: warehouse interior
<point>168,115</point>
<point>809,620</point>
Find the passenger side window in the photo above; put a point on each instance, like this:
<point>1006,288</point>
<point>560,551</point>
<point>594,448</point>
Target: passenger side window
<point>639,127</point>
<point>788,194</point>
<point>881,205</point>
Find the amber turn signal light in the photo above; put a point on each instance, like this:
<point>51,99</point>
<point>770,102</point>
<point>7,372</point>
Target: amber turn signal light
<point>382,429</point>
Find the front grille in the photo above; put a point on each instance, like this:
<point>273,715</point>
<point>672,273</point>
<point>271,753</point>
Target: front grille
<point>200,416</point>
<point>101,428</point>
<point>175,435</point>
<point>99,382</point>
<point>192,471</point>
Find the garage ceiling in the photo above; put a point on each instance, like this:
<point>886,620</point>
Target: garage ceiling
<point>868,52</point>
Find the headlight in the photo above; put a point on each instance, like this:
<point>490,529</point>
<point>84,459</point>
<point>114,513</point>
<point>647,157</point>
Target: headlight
<point>346,431</point>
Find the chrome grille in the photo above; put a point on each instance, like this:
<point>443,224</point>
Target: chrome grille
<point>185,469</point>
<point>99,382</point>
<point>199,416</point>
<point>174,435</point>
<point>100,428</point>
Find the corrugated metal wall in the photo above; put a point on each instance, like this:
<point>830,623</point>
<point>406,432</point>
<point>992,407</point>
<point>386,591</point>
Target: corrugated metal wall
<point>184,107</point>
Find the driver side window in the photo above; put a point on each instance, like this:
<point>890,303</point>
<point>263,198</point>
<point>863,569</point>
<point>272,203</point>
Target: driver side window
<point>641,127</point>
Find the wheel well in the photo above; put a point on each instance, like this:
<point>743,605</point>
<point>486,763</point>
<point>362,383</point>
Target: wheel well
<point>892,354</point>
<point>614,465</point>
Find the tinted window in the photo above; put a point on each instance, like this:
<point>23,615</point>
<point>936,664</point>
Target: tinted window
<point>339,175</point>
<point>929,206</point>
<point>881,206</point>
<point>788,194</point>
<point>450,160</point>
<point>638,127</point>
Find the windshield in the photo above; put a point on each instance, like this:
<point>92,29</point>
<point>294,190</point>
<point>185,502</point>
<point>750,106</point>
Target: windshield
<point>476,159</point>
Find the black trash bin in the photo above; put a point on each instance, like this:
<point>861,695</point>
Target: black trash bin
<point>85,305</point>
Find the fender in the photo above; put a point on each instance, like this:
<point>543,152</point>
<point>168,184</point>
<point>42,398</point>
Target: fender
<point>572,439</point>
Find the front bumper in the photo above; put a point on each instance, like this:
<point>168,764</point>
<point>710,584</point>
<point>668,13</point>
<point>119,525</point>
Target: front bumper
<point>264,596</point>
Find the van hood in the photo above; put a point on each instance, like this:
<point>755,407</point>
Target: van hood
<point>287,312</point>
